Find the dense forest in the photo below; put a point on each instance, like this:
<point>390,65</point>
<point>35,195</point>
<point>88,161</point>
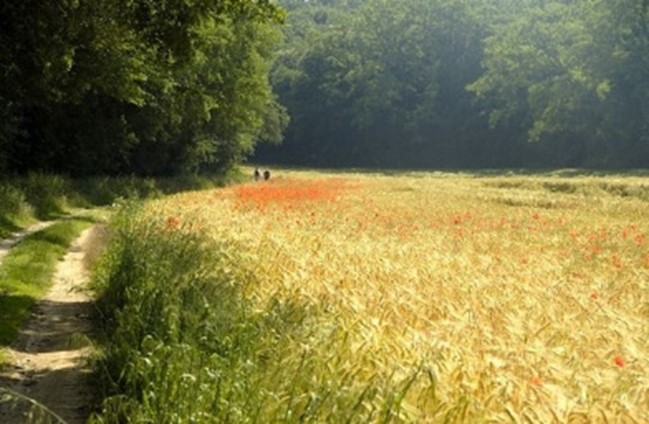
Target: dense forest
<point>148,87</point>
<point>175,86</point>
<point>464,83</point>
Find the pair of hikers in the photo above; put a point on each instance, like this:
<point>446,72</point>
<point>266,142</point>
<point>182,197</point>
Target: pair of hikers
<point>258,175</point>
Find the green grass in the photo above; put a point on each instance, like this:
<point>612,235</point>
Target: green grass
<point>15,211</point>
<point>24,200</point>
<point>37,196</point>
<point>9,226</point>
<point>167,318</point>
<point>26,272</point>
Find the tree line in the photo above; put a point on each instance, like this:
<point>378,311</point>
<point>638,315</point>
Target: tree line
<point>156,87</point>
<point>464,83</point>
<point>135,86</point>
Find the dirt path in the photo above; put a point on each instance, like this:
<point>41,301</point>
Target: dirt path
<point>47,362</point>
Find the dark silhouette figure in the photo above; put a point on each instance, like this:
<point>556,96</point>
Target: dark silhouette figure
<point>267,175</point>
<point>257,174</point>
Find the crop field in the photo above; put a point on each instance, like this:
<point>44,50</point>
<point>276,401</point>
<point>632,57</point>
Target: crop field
<point>431,297</point>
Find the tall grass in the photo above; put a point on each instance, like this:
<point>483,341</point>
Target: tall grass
<point>14,202</point>
<point>416,298</point>
<point>48,194</point>
<point>186,345</point>
<point>39,196</point>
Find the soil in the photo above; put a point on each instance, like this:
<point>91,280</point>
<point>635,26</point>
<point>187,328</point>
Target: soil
<point>49,361</point>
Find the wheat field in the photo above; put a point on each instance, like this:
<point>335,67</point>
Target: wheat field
<point>475,298</point>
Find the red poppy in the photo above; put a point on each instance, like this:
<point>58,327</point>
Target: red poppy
<point>173,222</point>
<point>639,239</point>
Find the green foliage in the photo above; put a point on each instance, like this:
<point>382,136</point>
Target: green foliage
<point>47,194</point>
<point>134,86</point>
<point>36,195</point>
<point>105,190</point>
<point>381,84</point>
<point>464,84</point>
<point>568,66</point>
<point>171,87</point>
<point>554,80</point>
<point>44,196</point>
<point>13,203</point>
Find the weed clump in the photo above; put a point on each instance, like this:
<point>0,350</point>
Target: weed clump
<point>13,202</point>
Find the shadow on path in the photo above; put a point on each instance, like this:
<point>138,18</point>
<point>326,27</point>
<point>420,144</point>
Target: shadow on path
<point>48,364</point>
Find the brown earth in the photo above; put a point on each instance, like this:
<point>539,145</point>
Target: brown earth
<point>49,361</point>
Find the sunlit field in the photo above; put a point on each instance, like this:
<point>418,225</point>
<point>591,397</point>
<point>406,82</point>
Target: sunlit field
<point>452,298</point>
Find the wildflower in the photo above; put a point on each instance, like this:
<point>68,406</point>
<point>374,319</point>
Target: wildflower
<point>617,262</point>
<point>173,223</point>
<point>639,239</point>
<point>595,249</point>
<point>537,381</point>
<point>619,361</point>
<point>594,295</point>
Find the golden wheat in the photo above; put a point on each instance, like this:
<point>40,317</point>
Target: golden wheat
<point>522,299</point>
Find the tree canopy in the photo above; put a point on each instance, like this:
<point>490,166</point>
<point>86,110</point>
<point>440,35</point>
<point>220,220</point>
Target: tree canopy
<point>144,86</point>
<point>172,86</point>
<point>482,83</point>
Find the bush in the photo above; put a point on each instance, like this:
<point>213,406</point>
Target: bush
<point>13,202</point>
<point>48,194</point>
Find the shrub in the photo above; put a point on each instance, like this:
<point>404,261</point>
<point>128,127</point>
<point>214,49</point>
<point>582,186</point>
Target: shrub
<point>48,194</point>
<point>13,202</point>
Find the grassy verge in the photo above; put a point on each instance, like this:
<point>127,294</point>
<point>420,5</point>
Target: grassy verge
<point>26,272</point>
<point>25,199</point>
